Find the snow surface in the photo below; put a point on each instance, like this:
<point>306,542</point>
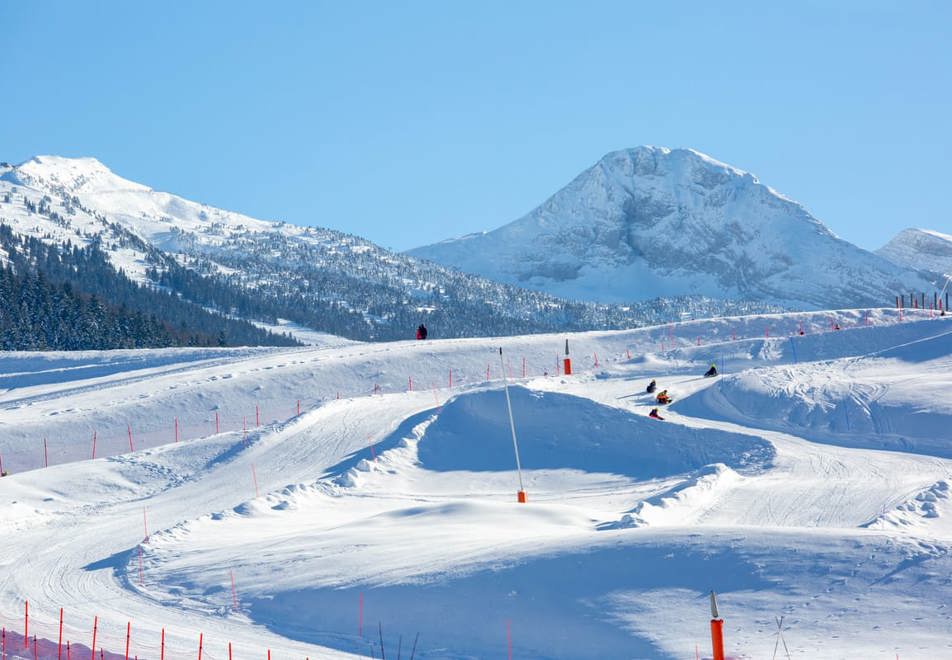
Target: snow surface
<point>653,221</point>
<point>400,502</point>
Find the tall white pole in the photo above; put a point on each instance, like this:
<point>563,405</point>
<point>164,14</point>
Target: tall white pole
<point>512,424</point>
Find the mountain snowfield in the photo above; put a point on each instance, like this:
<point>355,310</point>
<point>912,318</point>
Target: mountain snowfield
<point>290,278</point>
<point>810,480</point>
<point>923,249</point>
<point>653,221</point>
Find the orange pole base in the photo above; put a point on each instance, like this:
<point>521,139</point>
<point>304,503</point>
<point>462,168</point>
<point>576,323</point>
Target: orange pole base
<point>717,638</point>
<point>521,497</point>
<point>567,367</point>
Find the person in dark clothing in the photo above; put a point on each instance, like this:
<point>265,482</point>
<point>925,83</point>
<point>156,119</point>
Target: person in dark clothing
<point>654,414</point>
<point>711,372</point>
<point>421,331</point>
<point>423,327</point>
<point>652,386</point>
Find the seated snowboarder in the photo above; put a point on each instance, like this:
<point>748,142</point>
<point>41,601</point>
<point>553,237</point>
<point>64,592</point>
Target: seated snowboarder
<point>654,414</point>
<point>663,398</point>
<point>711,372</point>
<point>652,386</point>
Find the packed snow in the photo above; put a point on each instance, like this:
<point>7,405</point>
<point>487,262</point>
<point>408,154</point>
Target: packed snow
<point>384,508</point>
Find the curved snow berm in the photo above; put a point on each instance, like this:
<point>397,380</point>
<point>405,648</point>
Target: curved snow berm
<point>923,249</point>
<point>895,399</point>
<point>560,431</point>
<point>653,221</point>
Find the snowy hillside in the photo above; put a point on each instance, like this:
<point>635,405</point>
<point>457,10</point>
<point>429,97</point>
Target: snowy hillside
<point>653,221</point>
<point>920,248</point>
<point>295,277</point>
<point>382,511</point>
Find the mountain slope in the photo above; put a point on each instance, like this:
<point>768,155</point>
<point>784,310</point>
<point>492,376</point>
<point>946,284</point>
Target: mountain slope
<point>653,221</point>
<point>920,248</point>
<point>319,278</point>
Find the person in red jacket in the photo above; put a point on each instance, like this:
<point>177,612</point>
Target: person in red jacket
<point>654,414</point>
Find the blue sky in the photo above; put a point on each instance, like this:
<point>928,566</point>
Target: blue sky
<point>410,124</point>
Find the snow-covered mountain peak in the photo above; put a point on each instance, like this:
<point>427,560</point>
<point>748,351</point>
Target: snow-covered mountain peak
<point>653,221</point>
<point>925,249</point>
<point>70,175</point>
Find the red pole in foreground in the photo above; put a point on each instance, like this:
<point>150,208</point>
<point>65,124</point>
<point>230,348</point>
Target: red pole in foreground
<point>128,637</point>
<point>717,630</point>
<point>200,635</point>
<point>92,651</point>
<point>229,650</point>
<point>299,407</point>
<point>26,625</point>
<point>59,644</point>
<point>162,652</point>
<point>129,429</point>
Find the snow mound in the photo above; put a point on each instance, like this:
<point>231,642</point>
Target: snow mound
<point>559,431</point>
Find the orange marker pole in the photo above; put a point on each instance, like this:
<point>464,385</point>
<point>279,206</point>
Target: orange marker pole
<point>717,630</point>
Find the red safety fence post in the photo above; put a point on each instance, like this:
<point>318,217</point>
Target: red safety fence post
<point>36,654</point>
<point>46,455</point>
<point>451,379</point>
<point>299,407</point>
<point>717,630</point>
<point>257,415</point>
<point>59,644</point>
<point>229,650</point>
<point>26,624</point>
<point>595,355</point>
<point>94,444</point>
<point>409,383</point>
<point>3,643</point>
<point>128,637</point>
<point>628,353</point>
<point>200,636</point>
<point>92,650</point>
<point>217,425</point>
<point>162,646</point>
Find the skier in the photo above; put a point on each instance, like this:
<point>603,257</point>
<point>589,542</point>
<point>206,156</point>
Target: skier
<point>711,372</point>
<point>654,414</point>
<point>652,386</point>
<point>663,398</point>
<point>421,331</point>
<point>423,328</point>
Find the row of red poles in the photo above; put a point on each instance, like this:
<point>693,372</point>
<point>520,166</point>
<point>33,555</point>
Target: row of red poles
<point>65,651</point>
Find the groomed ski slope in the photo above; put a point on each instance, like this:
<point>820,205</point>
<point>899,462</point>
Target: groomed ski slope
<point>810,480</point>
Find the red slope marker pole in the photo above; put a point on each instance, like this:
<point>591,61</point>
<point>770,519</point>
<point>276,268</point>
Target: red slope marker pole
<point>46,455</point>
<point>92,650</point>
<point>129,429</point>
<point>257,415</point>
<point>451,379</point>
<point>128,637</point>
<point>229,650</point>
<point>26,624</point>
<point>717,630</point>
<point>217,427</point>
<point>59,644</point>
<point>162,646</point>
<point>94,444</point>
<point>299,408</point>
<point>200,636</point>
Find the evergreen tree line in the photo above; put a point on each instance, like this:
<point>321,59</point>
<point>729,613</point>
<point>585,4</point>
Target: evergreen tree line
<point>71,298</point>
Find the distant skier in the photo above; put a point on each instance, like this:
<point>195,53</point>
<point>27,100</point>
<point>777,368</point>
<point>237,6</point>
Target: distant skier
<point>710,373</point>
<point>421,331</point>
<point>652,386</point>
<point>654,414</point>
<point>663,398</point>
